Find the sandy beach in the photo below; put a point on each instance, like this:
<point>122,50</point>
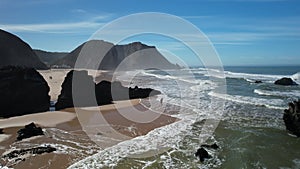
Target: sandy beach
<point>77,132</point>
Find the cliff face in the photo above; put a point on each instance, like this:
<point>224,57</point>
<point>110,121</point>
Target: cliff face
<point>123,57</point>
<point>16,52</point>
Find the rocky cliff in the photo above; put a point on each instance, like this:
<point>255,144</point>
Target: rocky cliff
<point>16,52</point>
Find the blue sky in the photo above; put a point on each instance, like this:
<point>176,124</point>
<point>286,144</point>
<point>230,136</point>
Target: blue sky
<point>244,32</point>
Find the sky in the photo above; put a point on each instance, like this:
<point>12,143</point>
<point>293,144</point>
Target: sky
<point>243,32</point>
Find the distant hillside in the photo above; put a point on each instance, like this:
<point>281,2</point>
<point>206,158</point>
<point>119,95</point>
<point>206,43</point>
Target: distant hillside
<point>141,56</point>
<point>14,51</point>
<point>49,58</point>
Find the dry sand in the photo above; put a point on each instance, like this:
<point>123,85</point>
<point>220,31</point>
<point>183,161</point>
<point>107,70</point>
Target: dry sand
<point>55,78</point>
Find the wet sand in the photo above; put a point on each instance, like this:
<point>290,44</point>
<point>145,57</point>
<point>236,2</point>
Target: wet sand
<point>81,134</point>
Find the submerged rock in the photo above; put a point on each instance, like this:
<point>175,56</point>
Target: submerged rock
<point>202,154</point>
<point>213,146</point>
<point>285,82</point>
<point>17,154</point>
<point>87,93</point>
<point>22,91</point>
<point>258,81</point>
<point>28,131</point>
<point>291,118</point>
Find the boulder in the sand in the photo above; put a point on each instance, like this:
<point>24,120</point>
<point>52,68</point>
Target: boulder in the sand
<point>291,118</point>
<point>22,91</point>
<point>285,82</point>
<point>105,91</point>
<point>1,131</point>
<point>28,131</point>
<point>202,154</point>
<point>17,154</point>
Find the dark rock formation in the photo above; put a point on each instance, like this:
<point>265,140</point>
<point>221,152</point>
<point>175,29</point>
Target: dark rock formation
<point>291,118</point>
<point>36,150</point>
<point>85,84</point>
<point>105,92</point>
<point>16,52</point>
<point>213,146</point>
<point>285,82</point>
<point>22,91</point>
<point>132,56</point>
<point>1,131</point>
<point>28,131</point>
<point>202,154</point>
<point>258,81</point>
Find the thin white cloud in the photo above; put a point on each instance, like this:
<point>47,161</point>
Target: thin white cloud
<point>78,11</point>
<point>69,27</point>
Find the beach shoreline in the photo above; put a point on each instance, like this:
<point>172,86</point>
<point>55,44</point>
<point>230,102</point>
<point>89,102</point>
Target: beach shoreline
<point>116,129</point>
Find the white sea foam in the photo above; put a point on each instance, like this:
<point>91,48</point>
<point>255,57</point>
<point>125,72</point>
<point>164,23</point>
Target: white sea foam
<point>294,93</point>
<point>184,79</point>
<point>270,103</point>
<point>248,76</point>
<point>296,77</point>
<point>204,85</point>
<point>160,138</point>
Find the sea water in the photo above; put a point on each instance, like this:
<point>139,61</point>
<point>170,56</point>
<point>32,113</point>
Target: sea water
<point>246,121</point>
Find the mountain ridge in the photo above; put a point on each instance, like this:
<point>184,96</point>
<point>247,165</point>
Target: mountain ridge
<point>135,55</point>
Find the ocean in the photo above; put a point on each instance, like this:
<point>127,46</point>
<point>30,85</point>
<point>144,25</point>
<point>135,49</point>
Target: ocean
<point>242,117</point>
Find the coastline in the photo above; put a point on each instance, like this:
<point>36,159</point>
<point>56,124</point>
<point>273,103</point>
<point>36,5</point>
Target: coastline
<point>64,131</point>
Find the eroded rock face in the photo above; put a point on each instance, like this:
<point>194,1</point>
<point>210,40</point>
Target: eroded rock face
<point>291,118</point>
<point>285,82</point>
<point>87,93</point>
<point>22,91</point>
<point>28,131</point>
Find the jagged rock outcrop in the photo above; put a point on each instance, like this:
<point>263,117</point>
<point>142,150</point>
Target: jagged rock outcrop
<point>105,92</point>
<point>291,118</point>
<point>285,82</point>
<point>28,131</point>
<point>16,52</point>
<point>22,91</point>
<point>127,57</point>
